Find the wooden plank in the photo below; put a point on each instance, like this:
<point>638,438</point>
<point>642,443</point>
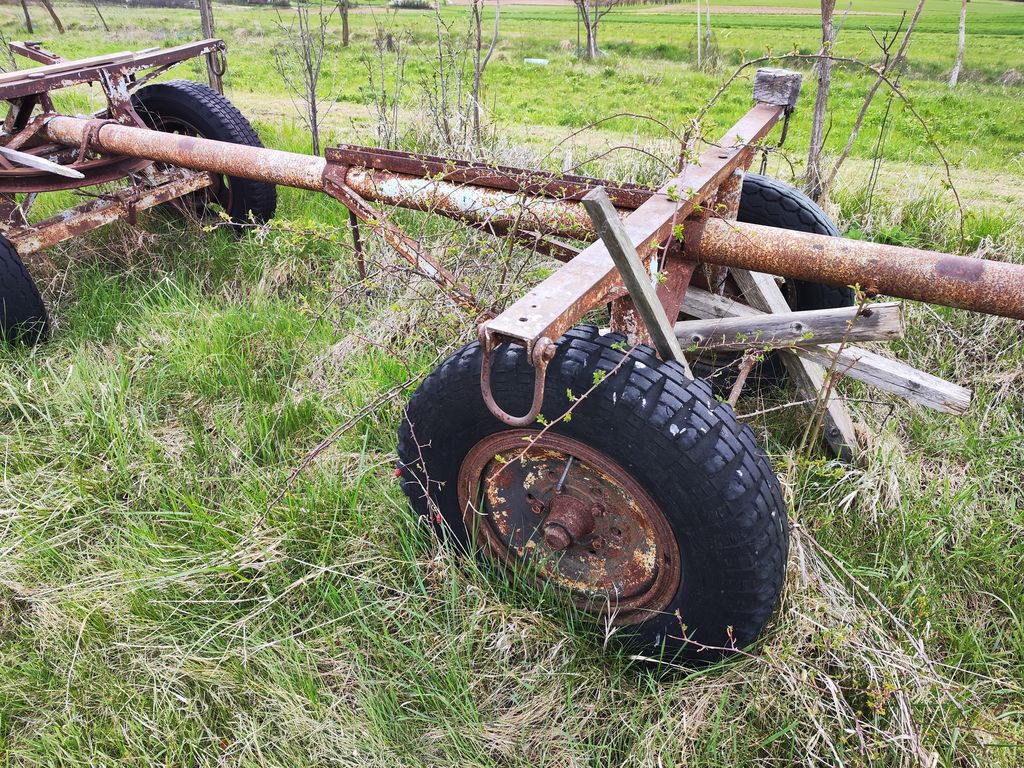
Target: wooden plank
<point>877,322</point>
<point>763,293</point>
<point>855,362</point>
<point>638,281</point>
<point>893,376</point>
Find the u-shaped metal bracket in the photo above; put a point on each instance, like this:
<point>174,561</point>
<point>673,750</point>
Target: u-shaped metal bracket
<point>543,350</point>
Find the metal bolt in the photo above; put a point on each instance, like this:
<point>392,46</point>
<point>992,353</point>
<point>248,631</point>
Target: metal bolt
<point>537,506</point>
<point>597,543</point>
<point>556,537</point>
<point>597,510</point>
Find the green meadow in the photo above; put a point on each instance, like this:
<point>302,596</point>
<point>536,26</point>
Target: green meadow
<point>173,593</point>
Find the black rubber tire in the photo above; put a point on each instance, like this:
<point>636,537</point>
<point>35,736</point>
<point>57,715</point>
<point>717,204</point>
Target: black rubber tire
<point>771,203</point>
<point>702,468</point>
<point>23,318</point>
<point>212,117</point>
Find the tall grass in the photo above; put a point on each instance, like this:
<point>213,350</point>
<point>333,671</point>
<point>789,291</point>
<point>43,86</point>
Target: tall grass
<point>168,596</point>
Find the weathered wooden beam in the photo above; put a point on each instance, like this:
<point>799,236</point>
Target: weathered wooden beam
<point>892,376</point>
<point>763,293</point>
<point>855,362</point>
<point>876,322</point>
<point>635,276</point>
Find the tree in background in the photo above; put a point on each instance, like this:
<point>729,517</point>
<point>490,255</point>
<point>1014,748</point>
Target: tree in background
<point>590,13</point>
<point>954,76</point>
<point>300,62</point>
<point>343,6</point>
<point>49,9</point>
<point>813,178</point>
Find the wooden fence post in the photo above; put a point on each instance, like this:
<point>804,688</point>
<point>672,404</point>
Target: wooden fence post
<point>213,69</point>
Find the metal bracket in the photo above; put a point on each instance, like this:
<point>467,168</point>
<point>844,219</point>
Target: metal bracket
<point>543,351</point>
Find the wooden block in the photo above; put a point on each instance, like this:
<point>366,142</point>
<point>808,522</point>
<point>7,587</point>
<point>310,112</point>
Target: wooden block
<point>778,87</point>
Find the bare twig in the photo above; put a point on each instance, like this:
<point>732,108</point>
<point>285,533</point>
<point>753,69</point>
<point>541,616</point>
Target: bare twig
<point>300,63</point>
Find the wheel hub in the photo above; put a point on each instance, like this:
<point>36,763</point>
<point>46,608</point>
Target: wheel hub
<point>575,517</point>
<point>568,522</point>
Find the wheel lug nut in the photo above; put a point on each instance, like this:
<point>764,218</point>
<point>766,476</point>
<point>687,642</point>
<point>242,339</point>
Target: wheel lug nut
<point>597,542</point>
<point>597,510</point>
<point>537,506</point>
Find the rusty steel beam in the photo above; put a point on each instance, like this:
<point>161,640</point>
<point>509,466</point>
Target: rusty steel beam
<point>96,213</point>
<point>494,209</point>
<point>270,165</point>
<point>551,308</point>
<point>62,73</point>
<point>561,186</point>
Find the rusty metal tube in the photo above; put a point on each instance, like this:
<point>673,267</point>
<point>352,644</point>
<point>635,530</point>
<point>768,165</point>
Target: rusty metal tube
<point>994,287</point>
<point>270,165</point>
<point>497,209</point>
<point>981,285</point>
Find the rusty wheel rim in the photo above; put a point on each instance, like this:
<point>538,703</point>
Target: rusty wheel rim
<point>575,518</point>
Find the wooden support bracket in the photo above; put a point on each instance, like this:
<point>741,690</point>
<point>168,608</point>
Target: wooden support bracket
<point>638,281</point>
<point>854,362</point>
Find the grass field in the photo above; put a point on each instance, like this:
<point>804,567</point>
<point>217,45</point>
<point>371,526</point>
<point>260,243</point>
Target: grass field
<point>168,597</point>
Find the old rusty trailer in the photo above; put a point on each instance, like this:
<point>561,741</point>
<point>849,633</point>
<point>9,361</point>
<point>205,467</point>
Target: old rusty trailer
<point>596,462</point>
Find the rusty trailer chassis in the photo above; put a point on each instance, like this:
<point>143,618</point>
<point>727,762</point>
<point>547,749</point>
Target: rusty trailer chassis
<point>687,222</point>
<point>700,202</point>
<point>581,512</point>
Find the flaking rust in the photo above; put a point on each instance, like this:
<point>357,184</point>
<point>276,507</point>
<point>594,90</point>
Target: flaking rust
<point>579,521</point>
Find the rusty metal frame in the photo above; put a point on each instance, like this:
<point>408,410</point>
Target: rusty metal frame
<point>895,270</point>
<point>590,279</point>
<point>27,91</point>
<point>688,222</point>
<point>56,73</point>
<point>122,204</point>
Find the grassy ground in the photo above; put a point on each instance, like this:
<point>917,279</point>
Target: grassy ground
<point>167,597</point>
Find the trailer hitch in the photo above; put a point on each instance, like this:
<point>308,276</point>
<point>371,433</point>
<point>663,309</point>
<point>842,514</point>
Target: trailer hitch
<point>592,279</point>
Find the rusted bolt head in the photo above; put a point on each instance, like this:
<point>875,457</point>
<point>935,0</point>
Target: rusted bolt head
<point>544,350</point>
<point>537,506</point>
<point>597,510</point>
<point>556,537</point>
<point>597,542</point>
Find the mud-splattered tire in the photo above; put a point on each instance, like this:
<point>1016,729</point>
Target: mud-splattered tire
<point>685,452</point>
<point>771,203</point>
<point>186,107</point>
<point>23,318</point>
